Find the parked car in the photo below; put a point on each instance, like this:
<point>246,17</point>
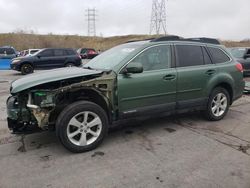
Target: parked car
<point>87,53</point>
<point>30,52</point>
<point>242,54</point>
<point>131,80</point>
<point>7,52</point>
<point>46,59</point>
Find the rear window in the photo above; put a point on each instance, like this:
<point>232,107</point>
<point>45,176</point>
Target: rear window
<point>218,55</point>
<point>189,55</point>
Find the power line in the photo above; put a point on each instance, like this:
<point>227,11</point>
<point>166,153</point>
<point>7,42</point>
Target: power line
<point>158,23</point>
<point>91,19</point>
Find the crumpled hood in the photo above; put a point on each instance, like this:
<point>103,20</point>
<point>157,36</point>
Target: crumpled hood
<point>49,76</point>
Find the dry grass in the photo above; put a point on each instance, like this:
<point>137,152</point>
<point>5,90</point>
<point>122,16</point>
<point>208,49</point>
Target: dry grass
<point>25,41</point>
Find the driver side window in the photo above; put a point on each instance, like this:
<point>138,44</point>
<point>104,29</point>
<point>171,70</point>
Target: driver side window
<point>155,58</point>
<point>47,53</point>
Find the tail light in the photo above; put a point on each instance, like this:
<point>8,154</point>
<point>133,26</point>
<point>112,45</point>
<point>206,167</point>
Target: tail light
<point>92,52</point>
<point>239,67</point>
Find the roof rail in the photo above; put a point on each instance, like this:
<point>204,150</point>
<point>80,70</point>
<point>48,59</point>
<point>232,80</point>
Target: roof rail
<point>166,38</point>
<point>205,40</point>
<point>139,40</point>
<point>177,38</point>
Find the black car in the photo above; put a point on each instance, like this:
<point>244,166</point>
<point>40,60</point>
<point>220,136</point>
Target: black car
<point>46,59</point>
<point>7,52</point>
<point>87,53</point>
<point>242,55</point>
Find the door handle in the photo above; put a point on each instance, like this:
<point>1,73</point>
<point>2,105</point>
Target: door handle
<point>210,72</point>
<point>169,77</point>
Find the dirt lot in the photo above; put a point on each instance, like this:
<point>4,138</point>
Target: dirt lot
<point>181,151</point>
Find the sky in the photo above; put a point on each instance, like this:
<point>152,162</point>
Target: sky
<point>223,19</point>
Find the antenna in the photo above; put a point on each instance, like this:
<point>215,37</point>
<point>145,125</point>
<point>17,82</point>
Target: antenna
<point>158,23</point>
<point>91,18</point>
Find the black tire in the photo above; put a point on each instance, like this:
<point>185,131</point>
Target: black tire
<point>69,65</point>
<point>63,126</point>
<point>221,108</point>
<point>27,69</point>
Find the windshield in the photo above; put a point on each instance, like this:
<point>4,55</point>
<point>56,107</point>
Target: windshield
<point>33,54</point>
<point>238,52</point>
<point>111,58</point>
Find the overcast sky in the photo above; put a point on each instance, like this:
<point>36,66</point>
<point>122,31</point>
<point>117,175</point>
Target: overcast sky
<point>224,19</point>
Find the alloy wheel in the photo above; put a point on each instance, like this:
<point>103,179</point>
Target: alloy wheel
<point>84,128</point>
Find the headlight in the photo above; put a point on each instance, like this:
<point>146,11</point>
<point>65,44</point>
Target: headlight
<point>15,61</point>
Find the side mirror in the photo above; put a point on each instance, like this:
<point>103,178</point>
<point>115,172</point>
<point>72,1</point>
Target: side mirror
<point>246,56</point>
<point>133,68</point>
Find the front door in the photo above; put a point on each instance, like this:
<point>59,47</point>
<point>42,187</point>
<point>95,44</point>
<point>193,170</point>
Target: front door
<point>153,90</point>
<point>44,59</point>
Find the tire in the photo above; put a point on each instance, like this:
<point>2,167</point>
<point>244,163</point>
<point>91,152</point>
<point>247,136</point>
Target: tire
<point>27,69</point>
<point>82,126</point>
<point>218,104</point>
<point>69,65</point>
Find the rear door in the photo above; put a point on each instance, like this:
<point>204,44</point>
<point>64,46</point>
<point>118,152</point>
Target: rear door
<point>60,58</point>
<point>194,70</point>
<point>153,90</point>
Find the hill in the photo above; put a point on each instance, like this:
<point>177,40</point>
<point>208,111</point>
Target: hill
<point>26,41</point>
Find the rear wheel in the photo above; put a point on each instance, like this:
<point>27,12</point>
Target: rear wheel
<point>27,69</point>
<point>218,104</point>
<point>82,126</point>
<point>69,65</point>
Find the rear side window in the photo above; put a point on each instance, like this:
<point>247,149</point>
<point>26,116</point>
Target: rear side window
<point>189,55</point>
<point>58,52</point>
<point>218,55</point>
<point>70,52</point>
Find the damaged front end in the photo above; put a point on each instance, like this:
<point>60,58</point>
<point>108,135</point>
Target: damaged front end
<point>29,112</point>
<point>36,109</point>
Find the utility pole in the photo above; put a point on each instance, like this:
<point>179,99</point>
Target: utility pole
<point>158,23</point>
<point>91,19</point>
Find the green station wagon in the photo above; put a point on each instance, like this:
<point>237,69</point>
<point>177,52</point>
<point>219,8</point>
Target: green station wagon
<point>143,78</point>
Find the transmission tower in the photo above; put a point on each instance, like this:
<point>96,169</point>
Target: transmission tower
<point>158,23</point>
<point>91,19</point>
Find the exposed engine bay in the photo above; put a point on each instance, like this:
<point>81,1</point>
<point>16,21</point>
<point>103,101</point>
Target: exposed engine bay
<point>36,108</point>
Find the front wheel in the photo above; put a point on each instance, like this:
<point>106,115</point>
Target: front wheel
<point>82,126</point>
<point>27,69</point>
<point>218,104</point>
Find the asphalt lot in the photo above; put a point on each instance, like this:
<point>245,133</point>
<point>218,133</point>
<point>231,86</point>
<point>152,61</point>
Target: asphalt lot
<point>181,151</point>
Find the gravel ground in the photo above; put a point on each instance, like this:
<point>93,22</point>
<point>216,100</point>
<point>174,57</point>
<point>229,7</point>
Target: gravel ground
<point>180,151</point>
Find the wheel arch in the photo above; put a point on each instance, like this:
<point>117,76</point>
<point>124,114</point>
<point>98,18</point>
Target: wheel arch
<point>91,95</point>
<point>226,86</point>
<point>27,62</point>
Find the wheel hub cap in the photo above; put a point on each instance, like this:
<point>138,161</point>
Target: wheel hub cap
<point>219,104</point>
<point>84,128</point>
